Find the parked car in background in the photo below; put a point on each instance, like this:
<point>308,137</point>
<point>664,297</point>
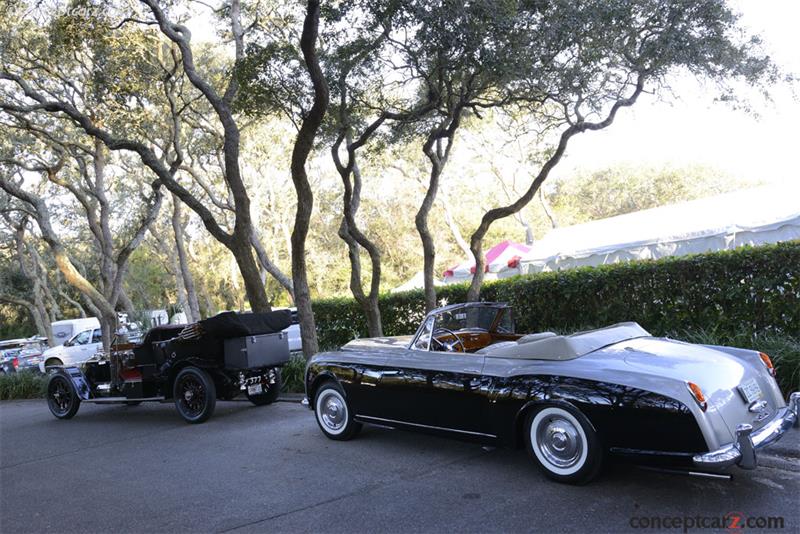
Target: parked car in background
<point>17,355</point>
<point>75,350</point>
<point>66,329</point>
<point>295,342</point>
<point>571,401</point>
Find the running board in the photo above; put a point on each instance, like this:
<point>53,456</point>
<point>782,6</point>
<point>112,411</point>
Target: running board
<point>113,400</point>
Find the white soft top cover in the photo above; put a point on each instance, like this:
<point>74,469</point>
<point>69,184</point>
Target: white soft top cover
<point>548,346</point>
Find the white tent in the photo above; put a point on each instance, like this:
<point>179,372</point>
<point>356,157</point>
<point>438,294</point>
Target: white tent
<point>415,282</point>
<point>502,261</point>
<point>751,217</point>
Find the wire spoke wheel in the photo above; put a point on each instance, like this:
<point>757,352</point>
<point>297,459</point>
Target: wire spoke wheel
<point>192,395</point>
<point>195,394</point>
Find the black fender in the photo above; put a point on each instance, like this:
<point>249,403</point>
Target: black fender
<point>76,377</point>
<point>622,416</point>
<point>313,383</point>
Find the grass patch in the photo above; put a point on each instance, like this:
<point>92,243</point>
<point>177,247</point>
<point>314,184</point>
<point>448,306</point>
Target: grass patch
<point>293,374</point>
<point>22,386</point>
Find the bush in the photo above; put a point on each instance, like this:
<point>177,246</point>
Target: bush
<point>22,386</point>
<point>784,351</point>
<point>746,291</point>
<point>293,374</point>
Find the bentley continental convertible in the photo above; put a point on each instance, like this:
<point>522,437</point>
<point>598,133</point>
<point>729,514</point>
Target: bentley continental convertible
<point>569,400</point>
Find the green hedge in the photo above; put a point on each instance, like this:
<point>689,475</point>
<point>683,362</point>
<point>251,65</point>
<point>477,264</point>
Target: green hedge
<point>744,292</point>
<point>24,385</point>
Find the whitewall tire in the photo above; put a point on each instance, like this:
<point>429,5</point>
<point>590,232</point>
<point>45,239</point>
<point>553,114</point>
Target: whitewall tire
<point>563,443</point>
<point>333,413</point>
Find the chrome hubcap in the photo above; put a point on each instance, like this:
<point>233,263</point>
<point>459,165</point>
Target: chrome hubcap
<point>559,441</point>
<point>333,412</point>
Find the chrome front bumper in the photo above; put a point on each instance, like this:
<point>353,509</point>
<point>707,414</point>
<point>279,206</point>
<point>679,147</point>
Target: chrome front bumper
<point>743,451</point>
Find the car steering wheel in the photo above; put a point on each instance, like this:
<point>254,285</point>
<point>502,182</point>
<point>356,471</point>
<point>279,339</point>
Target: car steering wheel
<point>449,346</point>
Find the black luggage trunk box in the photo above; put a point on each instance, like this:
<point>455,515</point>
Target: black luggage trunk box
<point>264,350</point>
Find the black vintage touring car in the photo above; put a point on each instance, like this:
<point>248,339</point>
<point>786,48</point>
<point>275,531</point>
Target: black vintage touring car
<point>192,365</point>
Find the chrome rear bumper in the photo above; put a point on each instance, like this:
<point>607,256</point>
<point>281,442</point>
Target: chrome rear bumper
<point>743,451</point>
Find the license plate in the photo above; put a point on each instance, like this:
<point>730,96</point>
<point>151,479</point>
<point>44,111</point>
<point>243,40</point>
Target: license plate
<point>255,390</point>
<point>750,390</point>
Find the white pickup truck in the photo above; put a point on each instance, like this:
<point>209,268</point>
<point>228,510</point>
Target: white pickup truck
<point>77,349</point>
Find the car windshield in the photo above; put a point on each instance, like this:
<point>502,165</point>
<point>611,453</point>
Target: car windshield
<point>476,317</point>
<point>80,339</point>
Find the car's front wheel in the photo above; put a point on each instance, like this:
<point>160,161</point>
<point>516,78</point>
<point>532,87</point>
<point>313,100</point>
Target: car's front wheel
<point>62,399</point>
<point>333,413</point>
<point>195,395</point>
<point>563,443</point>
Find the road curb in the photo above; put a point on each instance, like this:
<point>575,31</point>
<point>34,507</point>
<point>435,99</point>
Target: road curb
<point>291,397</point>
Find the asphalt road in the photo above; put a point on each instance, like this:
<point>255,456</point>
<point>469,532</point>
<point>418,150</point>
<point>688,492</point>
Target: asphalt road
<point>269,469</point>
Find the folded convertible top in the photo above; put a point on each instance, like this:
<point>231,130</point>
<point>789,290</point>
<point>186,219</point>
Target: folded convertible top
<point>228,325</point>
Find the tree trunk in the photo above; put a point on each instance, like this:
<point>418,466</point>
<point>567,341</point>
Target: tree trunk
<point>180,288</point>
<point>270,267</point>
<point>547,209</point>
<point>368,302</point>
<point>193,306</point>
<point>242,251</point>
<point>305,198</point>
<point>43,322</point>
<point>108,328</point>
<point>355,238</point>
<point>454,230</point>
<point>433,150</point>
<point>428,257</point>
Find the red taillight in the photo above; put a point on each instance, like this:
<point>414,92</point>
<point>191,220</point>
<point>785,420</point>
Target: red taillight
<point>15,362</point>
<point>697,393</point>
<point>768,363</point>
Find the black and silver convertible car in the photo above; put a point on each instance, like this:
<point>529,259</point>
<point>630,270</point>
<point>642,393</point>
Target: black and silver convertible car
<point>569,400</point>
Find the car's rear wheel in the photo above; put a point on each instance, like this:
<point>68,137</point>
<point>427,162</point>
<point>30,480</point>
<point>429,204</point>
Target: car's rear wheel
<point>333,413</point>
<point>195,395</point>
<point>62,399</point>
<point>563,443</point>
<point>269,395</point>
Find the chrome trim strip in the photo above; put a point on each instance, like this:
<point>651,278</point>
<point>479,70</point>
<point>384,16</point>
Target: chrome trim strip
<point>363,417</point>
